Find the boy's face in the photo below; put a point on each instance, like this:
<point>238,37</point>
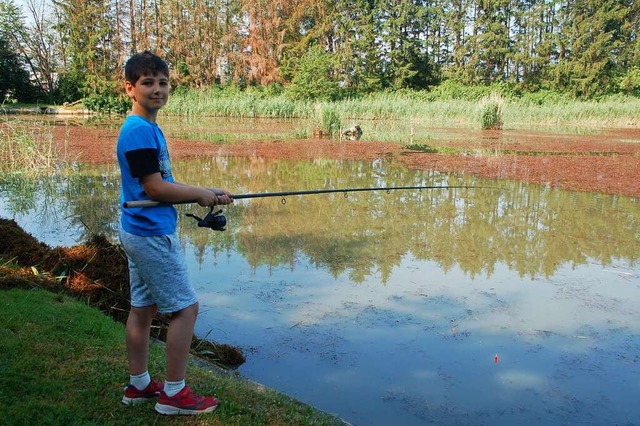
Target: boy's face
<point>149,93</point>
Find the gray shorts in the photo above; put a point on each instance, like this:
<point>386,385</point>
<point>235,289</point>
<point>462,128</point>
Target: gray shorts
<point>158,272</point>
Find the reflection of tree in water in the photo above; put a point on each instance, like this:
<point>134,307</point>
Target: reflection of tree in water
<point>531,229</point>
<point>96,201</point>
<point>86,199</point>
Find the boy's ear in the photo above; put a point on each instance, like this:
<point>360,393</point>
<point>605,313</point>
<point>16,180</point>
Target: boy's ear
<point>128,87</point>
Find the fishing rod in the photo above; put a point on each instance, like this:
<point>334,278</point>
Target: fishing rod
<point>217,221</point>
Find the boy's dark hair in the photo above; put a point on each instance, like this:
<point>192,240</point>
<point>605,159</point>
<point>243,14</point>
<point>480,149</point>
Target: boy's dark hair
<point>144,63</point>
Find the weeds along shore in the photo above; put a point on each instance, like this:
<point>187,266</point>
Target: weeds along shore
<point>464,109</point>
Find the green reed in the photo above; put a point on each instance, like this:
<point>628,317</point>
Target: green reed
<point>491,113</point>
<point>27,148</point>
<point>523,112</point>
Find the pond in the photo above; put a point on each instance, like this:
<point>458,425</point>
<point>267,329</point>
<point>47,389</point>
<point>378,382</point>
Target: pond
<point>500,304</point>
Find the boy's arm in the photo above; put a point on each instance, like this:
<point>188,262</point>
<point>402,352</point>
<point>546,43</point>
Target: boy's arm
<point>161,190</point>
<point>217,191</point>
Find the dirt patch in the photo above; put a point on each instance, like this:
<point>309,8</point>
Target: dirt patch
<point>607,162</point>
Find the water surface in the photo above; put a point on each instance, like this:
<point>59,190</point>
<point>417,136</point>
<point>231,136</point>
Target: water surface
<point>390,308</point>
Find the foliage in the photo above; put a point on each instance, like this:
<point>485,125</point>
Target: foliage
<point>313,79</point>
<point>329,50</point>
<point>629,83</point>
<point>450,89</point>
<point>14,84</point>
<point>595,32</point>
<point>35,44</point>
<point>491,113</point>
<point>107,103</point>
<point>544,97</point>
<point>107,97</point>
<point>69,87</point>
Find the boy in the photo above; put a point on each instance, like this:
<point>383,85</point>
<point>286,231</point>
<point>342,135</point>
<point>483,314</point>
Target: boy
<point>157,269</point>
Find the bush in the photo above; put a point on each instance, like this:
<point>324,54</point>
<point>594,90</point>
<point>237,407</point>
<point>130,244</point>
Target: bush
<point>328,119</point>
<point>544,97</point>
<point>491,112</point>
<point>107,103</point>
<point>449,90</point>
<point>314,77</point>
<point>69,88</point>
<point>630,82</point>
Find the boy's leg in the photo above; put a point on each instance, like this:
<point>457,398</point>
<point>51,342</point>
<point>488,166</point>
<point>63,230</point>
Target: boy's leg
<point>181,399</point>
<point>137,337</point>
<point>140,387</point>
<point>179,338</point>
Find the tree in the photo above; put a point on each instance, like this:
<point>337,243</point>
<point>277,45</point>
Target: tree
<point>314,77</point>
<point>592,41</point>
<point>14,35</point>
<point>404,26</point>
<point>351,36</point>
<point>533,42</point>
<point>93,51</point>
<point>14,84</point>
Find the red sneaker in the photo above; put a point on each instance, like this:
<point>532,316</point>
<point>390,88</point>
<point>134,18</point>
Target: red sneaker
<point>185,402</point>
<point>133,395</point>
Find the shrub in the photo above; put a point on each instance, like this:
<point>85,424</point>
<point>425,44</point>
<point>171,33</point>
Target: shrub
<point>313,79</point>
<point>328,119</point>
<point>630,82</point>
<point>107,103</point>
<point>544,97</point>
<point>491,112</point>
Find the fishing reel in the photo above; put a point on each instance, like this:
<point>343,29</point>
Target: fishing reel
<point>214,220</point>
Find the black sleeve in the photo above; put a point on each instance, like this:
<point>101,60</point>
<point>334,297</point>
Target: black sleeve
<point>143,162</point>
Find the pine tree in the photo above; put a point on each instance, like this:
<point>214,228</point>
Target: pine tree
<point>592,40</point>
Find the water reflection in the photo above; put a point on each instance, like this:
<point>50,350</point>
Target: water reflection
<point>389,308</point>
<point>531,229</point>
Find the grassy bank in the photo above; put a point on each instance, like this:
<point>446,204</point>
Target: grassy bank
<point>422,109</point>
<point>64,362</point>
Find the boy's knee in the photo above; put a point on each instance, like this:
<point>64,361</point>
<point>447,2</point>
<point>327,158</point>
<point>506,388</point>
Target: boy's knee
<point>147,312</point>
<point>191,310</point>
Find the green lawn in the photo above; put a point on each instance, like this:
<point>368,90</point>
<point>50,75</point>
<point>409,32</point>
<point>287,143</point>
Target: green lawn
<point>64,363</point>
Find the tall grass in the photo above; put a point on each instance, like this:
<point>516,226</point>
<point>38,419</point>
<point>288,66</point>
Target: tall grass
<point>328,119</point>
<point>216,102</point>
<point>491,109</point>
<point>422,108</point>
<point>28,149</point>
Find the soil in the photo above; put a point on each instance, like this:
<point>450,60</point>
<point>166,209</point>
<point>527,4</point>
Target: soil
<point>607,162</point>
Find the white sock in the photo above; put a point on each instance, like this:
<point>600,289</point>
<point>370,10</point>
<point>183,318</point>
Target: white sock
<point>140,381</point>
<point>172,388</point>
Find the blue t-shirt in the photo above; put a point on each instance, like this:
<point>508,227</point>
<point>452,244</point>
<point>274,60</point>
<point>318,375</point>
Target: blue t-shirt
<point>142,150</point>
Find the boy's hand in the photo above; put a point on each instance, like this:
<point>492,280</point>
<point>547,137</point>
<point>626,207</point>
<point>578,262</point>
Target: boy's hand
<point>209,198</point>
<point>224,197</point>
<point>206,198</point>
